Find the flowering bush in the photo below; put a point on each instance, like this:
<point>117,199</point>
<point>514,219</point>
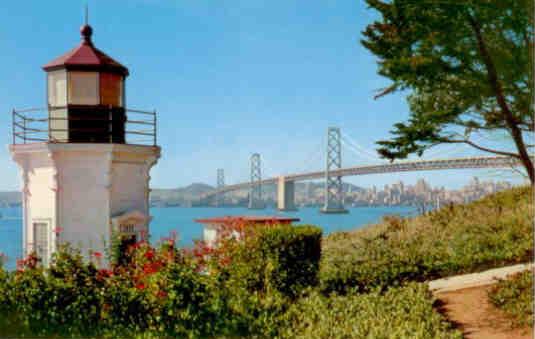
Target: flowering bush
<point>163,291</point>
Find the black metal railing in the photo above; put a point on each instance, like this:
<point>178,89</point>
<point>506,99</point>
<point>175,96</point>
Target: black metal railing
<point>45,125</point>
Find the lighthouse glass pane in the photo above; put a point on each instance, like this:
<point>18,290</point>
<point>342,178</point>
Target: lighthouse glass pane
<point>83,88</point>
<point>57,88</point>
<point>111,89</point>
<point>59,125</point>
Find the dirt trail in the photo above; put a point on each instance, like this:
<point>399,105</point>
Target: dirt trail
<point>470,310</point>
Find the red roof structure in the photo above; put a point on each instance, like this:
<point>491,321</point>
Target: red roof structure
<point>249,219</point>
<point>86,57</point>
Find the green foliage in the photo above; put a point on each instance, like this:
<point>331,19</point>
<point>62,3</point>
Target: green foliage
<point>268,271</point>
<point>61,300</point>
<point>467,65</point>
<point>281,258</point>
<point>405,312</point>
<point>514,296</point>
<point>192,307</point>
<point>492,232</point>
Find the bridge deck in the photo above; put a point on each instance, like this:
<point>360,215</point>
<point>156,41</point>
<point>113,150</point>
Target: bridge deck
<point>404,166</point>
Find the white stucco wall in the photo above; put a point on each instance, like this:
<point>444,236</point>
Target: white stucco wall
<point>40,197</point>
<point>128,187</point>
<point>80,187</point>
<point>83,204</point>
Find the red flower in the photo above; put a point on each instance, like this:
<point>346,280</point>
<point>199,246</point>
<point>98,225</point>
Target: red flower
<point>105,272</point>
<point>57,230</point>
<point>97,254</point>
<point>151,268</point>
<point>149,254</point>
<point>162,294</point>
<point>140,286</point>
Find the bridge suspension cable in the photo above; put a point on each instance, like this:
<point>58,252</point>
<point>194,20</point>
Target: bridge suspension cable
<point>358,149</point>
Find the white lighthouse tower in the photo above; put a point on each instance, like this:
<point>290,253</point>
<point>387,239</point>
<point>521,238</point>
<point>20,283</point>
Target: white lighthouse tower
<point>85,160</point>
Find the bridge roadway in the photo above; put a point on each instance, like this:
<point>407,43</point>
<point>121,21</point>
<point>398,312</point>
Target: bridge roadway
<point>402,166</point>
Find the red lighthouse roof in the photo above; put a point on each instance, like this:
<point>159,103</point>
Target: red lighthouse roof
<point>86,57</point>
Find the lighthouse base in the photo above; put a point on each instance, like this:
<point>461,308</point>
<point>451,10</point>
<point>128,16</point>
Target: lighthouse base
<point>76,193</point>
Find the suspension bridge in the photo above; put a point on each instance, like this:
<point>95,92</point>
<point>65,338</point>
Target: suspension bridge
<point>334,172</point>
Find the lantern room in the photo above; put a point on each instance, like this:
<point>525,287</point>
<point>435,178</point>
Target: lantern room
<point>86,95</point>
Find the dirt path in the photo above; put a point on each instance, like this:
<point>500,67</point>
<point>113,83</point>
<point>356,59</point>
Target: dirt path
<point>470,310</point>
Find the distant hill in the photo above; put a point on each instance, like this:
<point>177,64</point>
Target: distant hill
<point>188,195</point>
<point>10,198</point>
<point>179,196</point>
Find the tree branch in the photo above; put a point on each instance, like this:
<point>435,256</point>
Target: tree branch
<point>481,148</point>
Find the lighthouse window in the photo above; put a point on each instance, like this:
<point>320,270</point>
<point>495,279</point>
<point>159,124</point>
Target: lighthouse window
<point>57,88</point>
<point>40,230</point>
<point>111,89</point>
<point>83,88</point>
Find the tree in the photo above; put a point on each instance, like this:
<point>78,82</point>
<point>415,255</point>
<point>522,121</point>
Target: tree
<point>468,67</point>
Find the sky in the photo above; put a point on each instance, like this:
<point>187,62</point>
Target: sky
<point>228,79</point>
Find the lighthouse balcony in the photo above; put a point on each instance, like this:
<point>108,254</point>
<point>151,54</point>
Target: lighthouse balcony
<point>84,124</point>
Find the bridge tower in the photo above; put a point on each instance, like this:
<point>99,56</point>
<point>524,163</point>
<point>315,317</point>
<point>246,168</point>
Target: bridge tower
<point>334,195</point>
<point>220,184</point>
<point>255,192</point>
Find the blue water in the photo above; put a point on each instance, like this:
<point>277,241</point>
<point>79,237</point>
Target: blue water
<point>166,220</point>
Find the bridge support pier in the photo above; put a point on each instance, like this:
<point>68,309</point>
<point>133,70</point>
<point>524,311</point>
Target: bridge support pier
<point>285,195</point>
<point>220,184</point>
<point>255,192</point>
<point>334,195</point>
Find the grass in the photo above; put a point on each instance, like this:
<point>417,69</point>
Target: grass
<point>514,297</point>
<point>492,232</point>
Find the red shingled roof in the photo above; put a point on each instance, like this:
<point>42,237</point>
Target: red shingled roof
<point>247,218</point>
<point>86,57</point>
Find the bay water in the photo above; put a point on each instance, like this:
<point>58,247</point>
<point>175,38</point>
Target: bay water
<point>181,220</point>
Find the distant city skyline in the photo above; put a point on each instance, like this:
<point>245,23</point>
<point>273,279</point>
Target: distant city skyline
<point>311,193</point>
<point>227,80</point>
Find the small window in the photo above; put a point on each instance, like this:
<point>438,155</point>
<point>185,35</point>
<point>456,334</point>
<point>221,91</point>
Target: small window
<point>57,89</point>
<point>40,234</point>
<point>83,88</point>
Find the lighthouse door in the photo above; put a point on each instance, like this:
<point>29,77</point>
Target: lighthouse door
<point>40,230</point>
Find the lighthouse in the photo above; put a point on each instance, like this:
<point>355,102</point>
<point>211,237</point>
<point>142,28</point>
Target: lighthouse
<point>85,159</point>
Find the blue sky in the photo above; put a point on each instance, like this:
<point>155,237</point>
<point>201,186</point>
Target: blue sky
<point>228,78</point>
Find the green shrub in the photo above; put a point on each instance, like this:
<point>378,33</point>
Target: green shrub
<point>405,312</point>
<point>266,271</point>
<point>62,300</point>
<point>281,258</point>
<point>514,296</point>
<point>491,232</point>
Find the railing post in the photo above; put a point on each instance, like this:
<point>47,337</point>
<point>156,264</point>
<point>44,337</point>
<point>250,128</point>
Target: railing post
<point>110,125</point>
<point>13,125</point>
<point>155,130</point>
<point>24,129</point>
<point>49,124</point>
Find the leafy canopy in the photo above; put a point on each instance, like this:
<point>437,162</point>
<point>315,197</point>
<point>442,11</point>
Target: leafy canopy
<point>432,49</point>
